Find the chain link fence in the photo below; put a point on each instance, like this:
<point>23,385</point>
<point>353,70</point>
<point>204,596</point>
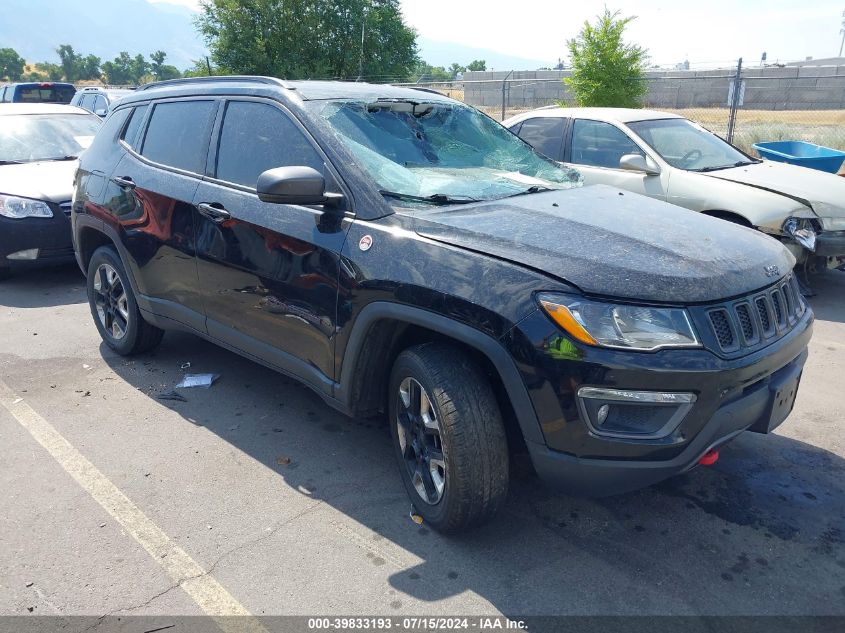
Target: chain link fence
<point>766,104</point>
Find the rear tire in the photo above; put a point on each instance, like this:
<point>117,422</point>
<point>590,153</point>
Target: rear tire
<point>114,307</point>
<point>448,437</point>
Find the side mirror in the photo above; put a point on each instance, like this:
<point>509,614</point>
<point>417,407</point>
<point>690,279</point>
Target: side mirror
<point>101,112</point>
<point>294,185</point>
<point>638,162</point>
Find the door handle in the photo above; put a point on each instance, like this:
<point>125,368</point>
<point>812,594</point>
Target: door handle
<point>213,213</point>
<point>124,181</point>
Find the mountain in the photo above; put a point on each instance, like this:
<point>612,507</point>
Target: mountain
<point>35,28</point>
<point>443,54</point>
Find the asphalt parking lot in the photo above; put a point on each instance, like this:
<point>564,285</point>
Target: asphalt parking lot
<point>279,505</point>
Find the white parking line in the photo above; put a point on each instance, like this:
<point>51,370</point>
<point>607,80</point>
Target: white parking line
<point>209,594</point>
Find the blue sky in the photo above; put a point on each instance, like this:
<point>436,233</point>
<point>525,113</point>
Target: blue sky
<point>716,31</point>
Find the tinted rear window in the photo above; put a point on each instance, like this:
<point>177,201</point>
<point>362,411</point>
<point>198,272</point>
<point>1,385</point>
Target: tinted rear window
<point>44,94</point>
<point>178,134</point>
<point>130,134</point>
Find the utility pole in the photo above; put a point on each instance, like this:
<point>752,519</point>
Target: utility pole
<point>361,54</point>
<point>842,31</point>
<point>734,101</point>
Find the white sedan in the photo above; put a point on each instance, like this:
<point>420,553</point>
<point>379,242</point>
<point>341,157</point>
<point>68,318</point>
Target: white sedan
<point>668,157</point>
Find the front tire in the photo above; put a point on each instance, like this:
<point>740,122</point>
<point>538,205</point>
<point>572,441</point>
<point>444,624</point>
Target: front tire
<point>114,307</point>
<point>448,437</point>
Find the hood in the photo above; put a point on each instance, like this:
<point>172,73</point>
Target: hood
<point>817,189</point>
<point>51,181</point>
<point>613,243</point>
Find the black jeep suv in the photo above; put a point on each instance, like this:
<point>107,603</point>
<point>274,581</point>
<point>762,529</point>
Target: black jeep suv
<point>401,252</point>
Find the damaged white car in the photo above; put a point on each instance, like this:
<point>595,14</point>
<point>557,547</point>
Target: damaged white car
<point>668,157</point>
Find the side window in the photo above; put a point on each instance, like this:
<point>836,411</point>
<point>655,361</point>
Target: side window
<point>178,132</point>
<point>99,104</point>
<point>130,133</point>
<point>600,144</point>
<point>87,102</point>
<point>545,134</point>
<point>256,137</point>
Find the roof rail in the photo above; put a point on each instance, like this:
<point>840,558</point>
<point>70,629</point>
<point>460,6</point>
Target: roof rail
<point>215,79</point>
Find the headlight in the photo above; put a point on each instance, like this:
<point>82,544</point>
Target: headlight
<point>619,325</point>
<point>802,231</point>
<point>14,207</point>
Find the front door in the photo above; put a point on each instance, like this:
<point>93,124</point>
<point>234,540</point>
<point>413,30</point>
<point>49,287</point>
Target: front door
<point>595,149</point>
<point>268,272</point>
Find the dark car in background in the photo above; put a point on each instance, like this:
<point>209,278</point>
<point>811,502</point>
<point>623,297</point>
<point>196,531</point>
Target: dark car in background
<point>97,99</point>
<point>37,92</point>
<point>39,146</point>
<point>402,253</point>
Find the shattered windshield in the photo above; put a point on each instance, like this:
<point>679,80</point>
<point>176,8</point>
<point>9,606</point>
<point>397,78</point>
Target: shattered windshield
<point>440,152</point>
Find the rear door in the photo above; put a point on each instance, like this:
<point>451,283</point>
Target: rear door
<point>595,148</point>
<point>545,134</point>
<point>268,272</point>
<point>153,189</point>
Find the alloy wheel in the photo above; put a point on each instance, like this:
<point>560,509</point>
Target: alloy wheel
<point>420,441</point>
<point>111,301</point>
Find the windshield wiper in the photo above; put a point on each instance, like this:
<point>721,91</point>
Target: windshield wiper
<point>13,162</point>
<point>531,189</point>
<point>57,158</point>
<point>741,163</point>
<point>437,198</point>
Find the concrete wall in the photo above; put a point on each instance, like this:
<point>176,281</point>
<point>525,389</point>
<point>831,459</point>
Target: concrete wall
<point>791,88</point>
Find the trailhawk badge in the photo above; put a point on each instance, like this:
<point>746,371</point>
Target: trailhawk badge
<point>365,242</point>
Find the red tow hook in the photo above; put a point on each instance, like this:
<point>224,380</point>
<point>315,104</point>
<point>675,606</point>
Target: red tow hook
<point>709,458</point>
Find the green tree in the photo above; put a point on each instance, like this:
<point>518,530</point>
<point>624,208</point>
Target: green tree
<point>90,68</point>
<point>54,72</point>
<point>119,72</point>
<point>424,72</point>
<point>159,69</point>
<point>301,39</point>
<point>607,72</point>
<point>478,64</point>
<point>200,69</point>
<point>138,68</point>
<point>455,69</point>
<point>11,64</point>
<point>71,62</point>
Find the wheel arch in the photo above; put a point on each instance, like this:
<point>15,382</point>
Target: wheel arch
<point>88,240</point>
<point>383,329</point>
<point>730,216</point>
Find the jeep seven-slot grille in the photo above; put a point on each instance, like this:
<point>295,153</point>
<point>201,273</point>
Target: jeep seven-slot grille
<point>722,327</point>
<point>757,319</point>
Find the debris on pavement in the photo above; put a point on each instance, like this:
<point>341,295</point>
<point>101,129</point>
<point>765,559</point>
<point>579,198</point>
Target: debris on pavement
<point>198,380</point>
<point>186,365</point>
<point>172,395</point>
<point>416,518</point>
<point>283,460</point>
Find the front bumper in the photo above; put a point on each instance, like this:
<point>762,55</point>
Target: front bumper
<point>51,236</point>
<point>733,395</point>
<point>830,244</point>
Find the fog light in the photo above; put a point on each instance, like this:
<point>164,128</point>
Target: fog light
<point>30,253</point>
<point>601,416</point>
<point>633,414</point>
